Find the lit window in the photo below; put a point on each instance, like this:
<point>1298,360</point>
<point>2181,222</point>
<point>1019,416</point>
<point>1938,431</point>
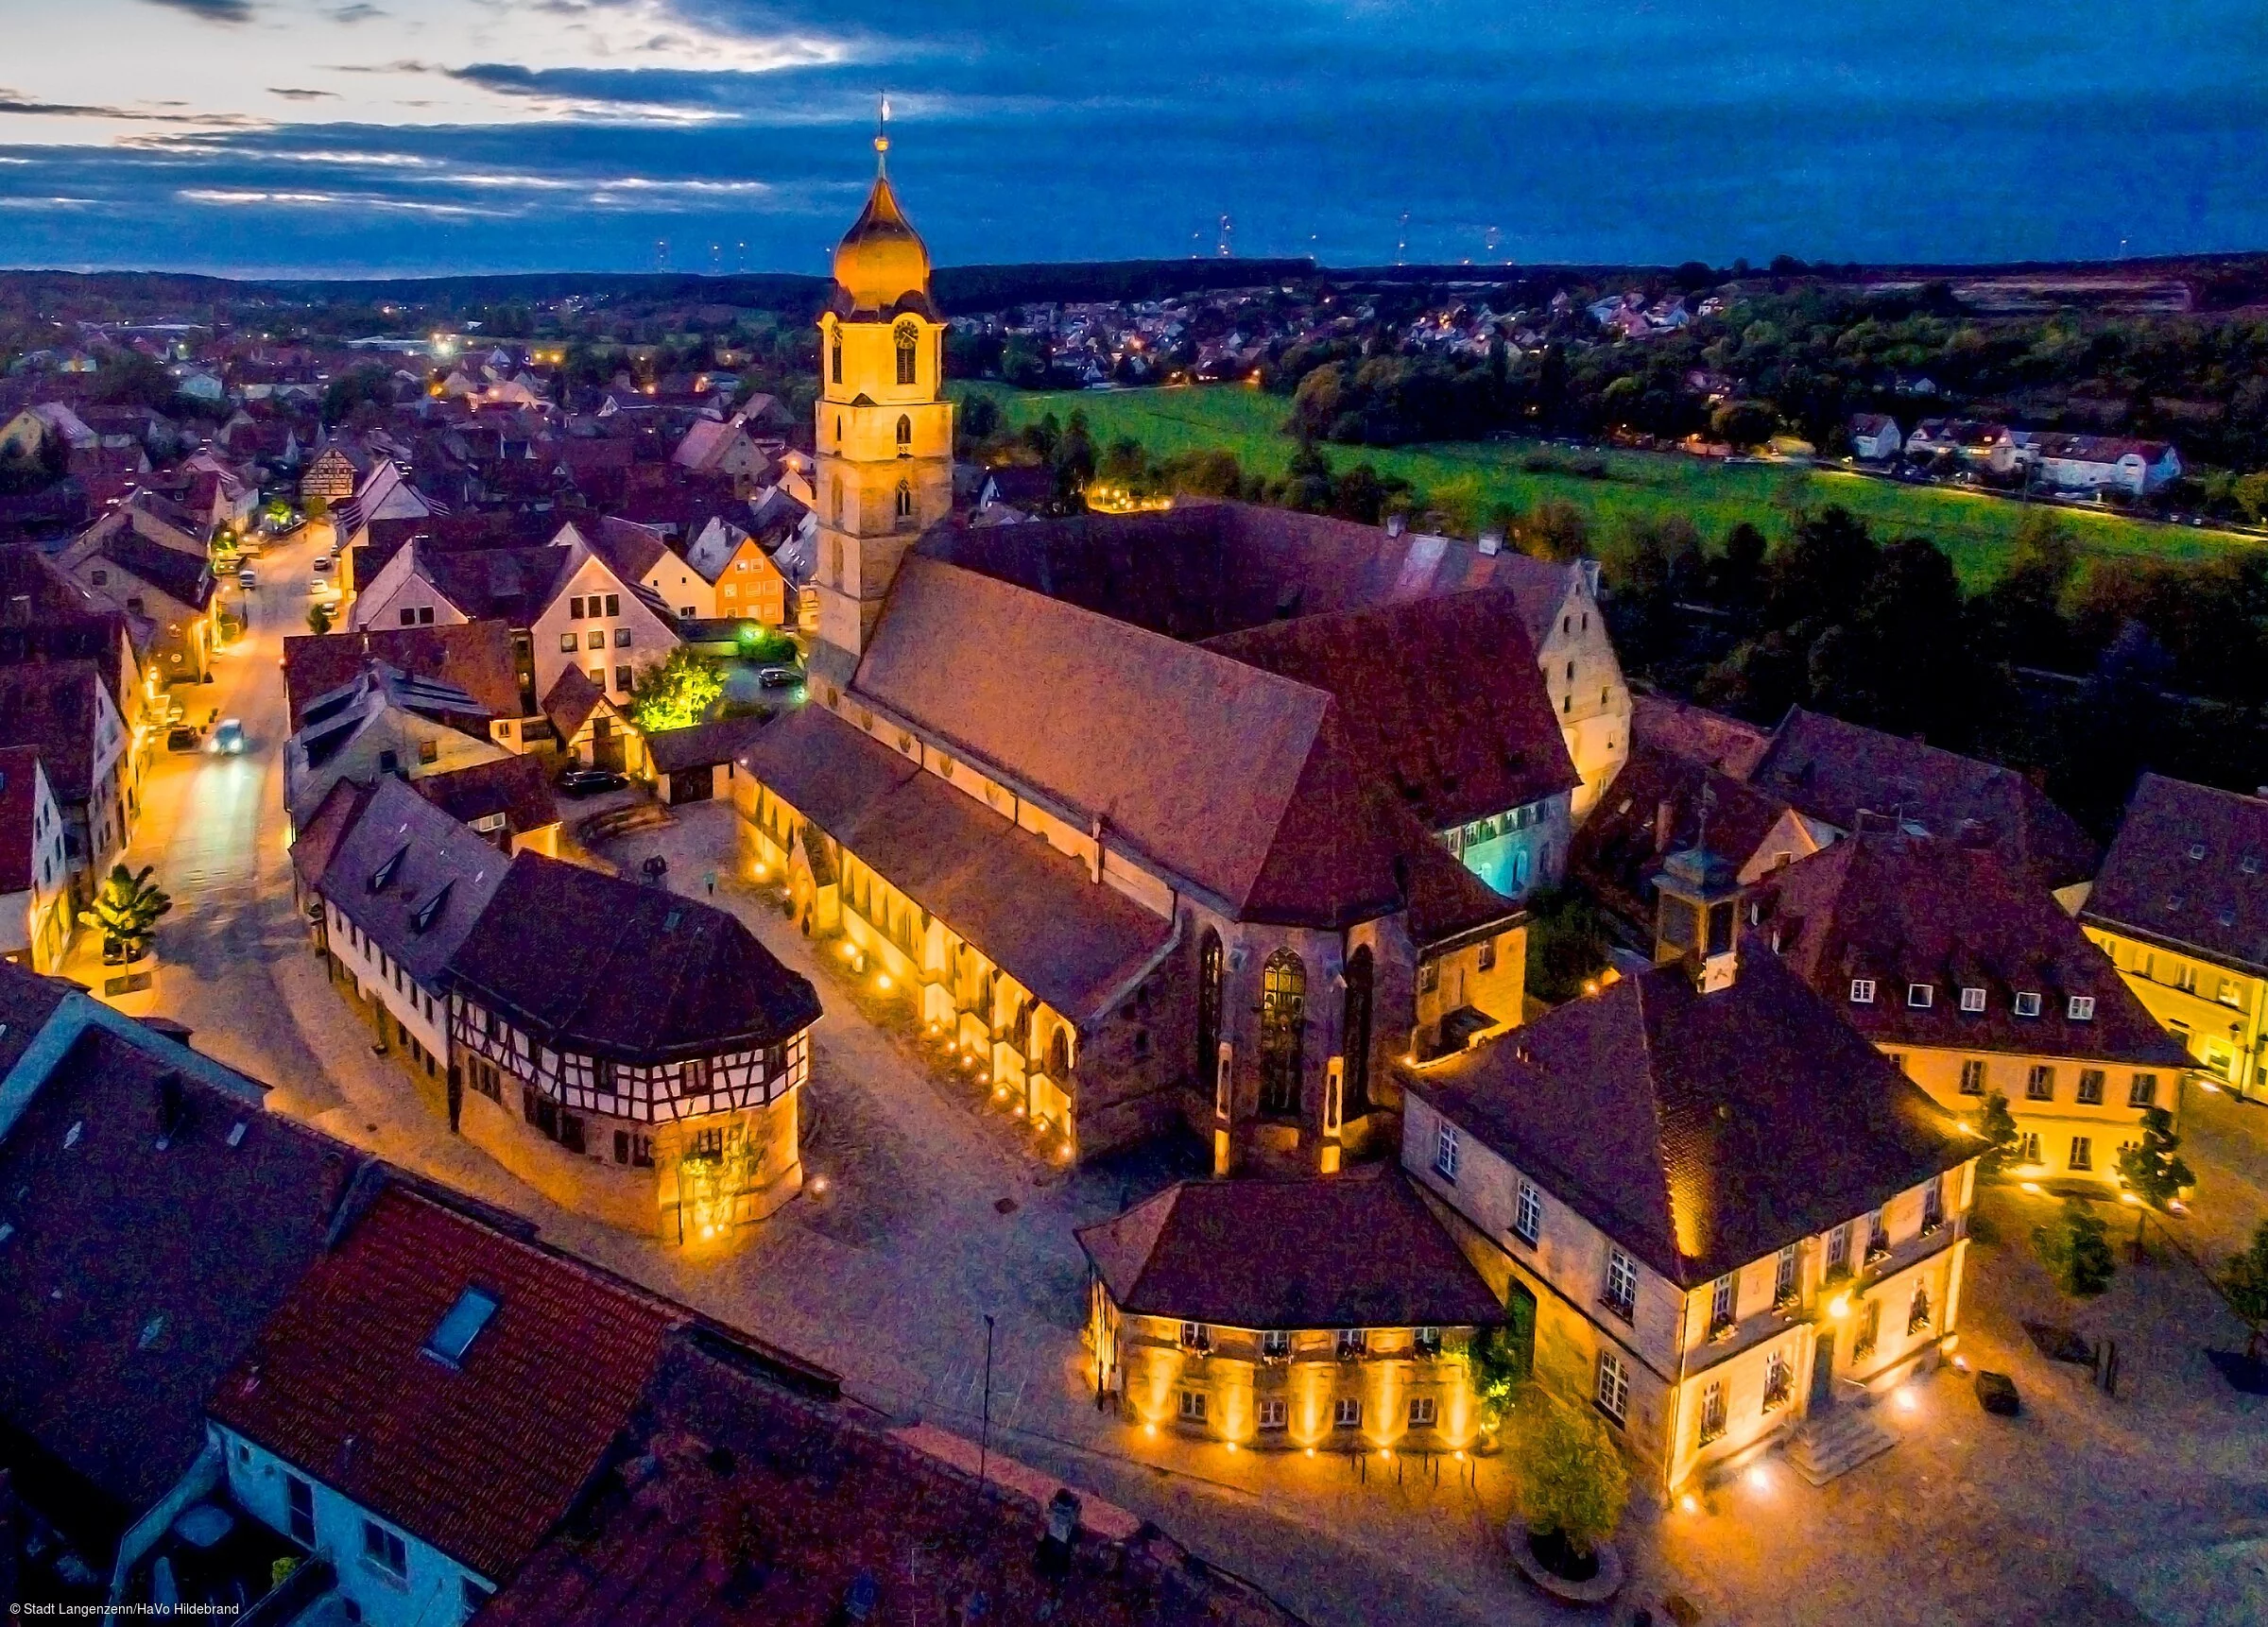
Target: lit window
<point>1423,1413</point>
<point>1973,1076</point>
<point>2082,1008</point>
<point>1347,1414</point>
<point>1722,1294</point>
<point>1527,1221</point>
<point>2090,1087</point>
<point>1862,991</point>
<point>1445,1154</point>
<point>2083,1152</point>
<point>2039,1085</point>
<point>1613,1391</point>
<point>1712,1412</point>
<point>1192,1406</point>
<point>2144,1091</point>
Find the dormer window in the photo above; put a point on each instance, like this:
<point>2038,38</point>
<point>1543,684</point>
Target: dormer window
<point>2196,850</point>
<point>2250,863</point>
<point>383,875</point>
<point>1862,991</point>
<point>2082,1008</point>
<point>2027,1004</point>
<point>1919,995</point>
<point>1972,998</point>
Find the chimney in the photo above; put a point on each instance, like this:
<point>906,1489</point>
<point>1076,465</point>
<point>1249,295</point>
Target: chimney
<point>1396,524</point>
<point>1094,866</point>
<point>1493,542</point>
<point>1666,813</point>
<point>171,1108</point>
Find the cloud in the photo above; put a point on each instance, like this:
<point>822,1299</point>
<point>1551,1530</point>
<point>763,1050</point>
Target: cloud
<point>211,10</point>
<point>357,12</point>
<point>292,95</point>
<point>244,198</point>
<point>12,102</point>
<point>44,202</point>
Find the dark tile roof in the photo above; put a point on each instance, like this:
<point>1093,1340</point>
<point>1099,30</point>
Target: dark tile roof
<point>421,854</point>
<point>482,1457</point>
<point>512,585</point>
<point>1241,782</point>
<point>139,1269</point>
<point>1849,776</point>
<point>27,1001</point>
<point>736,1500</point>
<point>629,549</point>
<point>1903,910</point>
<point>318,837</point>
<point>592,962</point>
<point>1319,1251</point>
<point>1679,728</point>
<point>19,803</point>
<point>184,577</point>
<point>516,787</point>
<point>1029,909</point>
<point>571,700</point>
<point>1619,849</point>
<point>1440,698</point>
<point>1700,1131</point>
<point>56,707</point>
<point>475,657</point>
<point>2186,870</point>
<point>703,744</point>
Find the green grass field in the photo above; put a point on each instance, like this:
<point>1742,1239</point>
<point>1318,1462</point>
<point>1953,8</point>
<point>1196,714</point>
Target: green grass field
<point>1474,477</point>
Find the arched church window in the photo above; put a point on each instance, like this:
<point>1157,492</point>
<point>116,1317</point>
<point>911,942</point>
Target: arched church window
<point>1209,1006</point>
<point>905,435</point>
<point>907,336</point>
<point>1355,1099</point>
<point>838,429</point>
<point>1282,1032</point>
<point>1022,1028</point>
<point>835,365</point>
<point>1059,1055</point>
<point>837,546</point>
<point>834,498</point>
<point>906,499</point>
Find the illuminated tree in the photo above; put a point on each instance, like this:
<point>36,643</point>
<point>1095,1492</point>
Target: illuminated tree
<point>677,690</point>
<point>2245,1285</point>
<point>1573,1482</point>
<point>127,910</point>
<point>1997,1126</point>
<point>2153,1169</point>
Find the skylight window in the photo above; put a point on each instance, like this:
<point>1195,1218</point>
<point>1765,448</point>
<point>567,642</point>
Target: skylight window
<point>423,917</point>
<point>466,1318</point>
<point>1919,995</point>
<point>2027,1004</point>
<point>1972,998</point>
<point>383,876</point>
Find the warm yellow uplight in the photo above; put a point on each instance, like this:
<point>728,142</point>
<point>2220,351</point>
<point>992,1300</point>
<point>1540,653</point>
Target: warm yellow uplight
<point>2031,1186</point>
<point>1690,1503</point>
<point>1839,1307</point>
<point>1149,1429</point>
<point>881,980</point>
<point>2128,1198</point>
<point>1907,1401</point>
<point>1311,1451</point>
<point>1760,1477</point>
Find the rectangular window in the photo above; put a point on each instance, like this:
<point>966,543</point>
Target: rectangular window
<point>2039,1085</point>
<point>1784,1278</point>
<point>2081,1008</point>
<point>622,679</point>
<point>622,638</point>
<point>1878,1233</point>
<point>1973,998</point>
<point>2027,1004</point>
<point>2144,1091</point>
<point>1613,1391</point>
<point>1870,1329</point>
<point>2083,1152</point>
<point>1622,1283</point>
<point>472,1595</point>
<point>1275,1344</point>
<point>1973,1076</point>
<point>1487,955</point>
<point>613,605</point>
<point>567,644</point>
<point>1272,1413</point>
<point>2184,977</point>
<point>596,639</point>
<point>2027,1147</point>
<point>2091,1086</point>
<point>574,607</point>
<point>1838,1250</point>
<point>1932,1206</point>
<point>1712,1412</point>
<point>1423,1413</point>
<point>1192,1406</point>
<point>1780,1381</point>
<point>384,1550</point>
<point>1919,995</point>
<point>1527,1222</point>
<point>409,618</point>
<point>1194,1336</point>
<point>299,1500</point>
<point>1445,1155</point>
<point>1862,991</point>
<point>1426,1341</point>
<point>1352,1342</point>
<point>1429,976</point>
<point>1722,1294</point>
<point>1347,1414</point>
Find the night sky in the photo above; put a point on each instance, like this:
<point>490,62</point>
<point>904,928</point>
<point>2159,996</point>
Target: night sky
<point>343,136</point>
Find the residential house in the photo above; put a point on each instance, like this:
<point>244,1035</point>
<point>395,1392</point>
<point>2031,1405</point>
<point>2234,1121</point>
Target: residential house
<point>430,1401</point>
<point>589,729</point>
<point>382,723</point>
<point>1713,739</point>
<point>1976,983</point>
<point>696,764</point>
<point>740,578</point>
<point>484,659</point>
<point>1965,441</point>
<point>713,447</point>
<point>1316,1312</point>
<point>153,1215</point>
<point>1723,1212</point>
<point>1853,778</point>
<point>334,470</point>
<point>64,712</point>
<point>36,917</point>
<point>637,554</point>
<point>507,803</point>
<point>135,558</point>
<point>2181,909</point>
<point>1874,438</point>
<point>2101,462</point>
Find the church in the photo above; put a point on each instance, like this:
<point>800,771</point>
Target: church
<point>1207,817</point>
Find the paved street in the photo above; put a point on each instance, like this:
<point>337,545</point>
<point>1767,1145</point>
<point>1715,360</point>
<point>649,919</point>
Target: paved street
<point>933,1214</point>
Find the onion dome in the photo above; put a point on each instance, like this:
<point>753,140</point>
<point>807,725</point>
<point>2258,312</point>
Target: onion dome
<point>881,265</point>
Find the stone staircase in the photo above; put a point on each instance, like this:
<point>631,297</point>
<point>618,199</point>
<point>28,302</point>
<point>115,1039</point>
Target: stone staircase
<point>1835,1443</point>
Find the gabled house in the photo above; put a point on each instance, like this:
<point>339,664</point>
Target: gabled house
<point>153,561</point>
<point>483,659</point>
<point>590,728</point>
<point>710,447</point>
<point>506,803</point>
<point>2101,462</point>
<point>64,712</point>
<point>637,554</point>
<point>333,471</point>
<point>383,724</point>
<point>1875,436</point>
<point>36,917</point>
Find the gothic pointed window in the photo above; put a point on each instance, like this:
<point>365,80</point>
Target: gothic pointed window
<point>1355,1100</point>
<point>907,336</point>
<point>1059,1055</point>
<point>1209,1007</point>
<point>1282,1032</point>
<point>905,436</point>
<point>836,370</point>
<point>906,499</point>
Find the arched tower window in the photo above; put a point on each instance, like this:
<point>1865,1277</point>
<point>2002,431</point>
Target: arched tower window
<point>834,499</point>
<point>1059,1055</point>
<point>906,499</point>
<point>838,429</point>
<point>1355,1099</point>
<point>907,336</point>
<point>905,436</point>
<point>1209,1007</point>
<point>835,360</point>
<point>1282,1032</point>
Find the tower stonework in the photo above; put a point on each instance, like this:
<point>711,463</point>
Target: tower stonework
<point>883,429</point>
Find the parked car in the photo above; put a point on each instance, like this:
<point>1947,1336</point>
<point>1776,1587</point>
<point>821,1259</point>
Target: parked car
<point>228,737</point>
<point>180,737</point>
<point>777,677</point>
<point>247,580</point>
<point>591,781</point>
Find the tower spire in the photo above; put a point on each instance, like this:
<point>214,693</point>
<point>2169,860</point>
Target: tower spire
<point>882,136</point>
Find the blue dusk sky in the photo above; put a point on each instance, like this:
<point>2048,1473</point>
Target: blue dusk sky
<point>318,137</point>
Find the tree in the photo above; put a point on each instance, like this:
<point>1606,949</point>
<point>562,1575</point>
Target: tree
<point>1567,945</point>
<point>2244,1284</point>
<point>1995,1127</point>
<point>1554,529</point>
<point>2075,1250</point>
<point>2153,1169</point>
<point>677,690</point>
<point>127,910</point>
<point>319,619</point>
<point>1744,423</point>
<point>1500,1361</point>
<point>1573,1482</point>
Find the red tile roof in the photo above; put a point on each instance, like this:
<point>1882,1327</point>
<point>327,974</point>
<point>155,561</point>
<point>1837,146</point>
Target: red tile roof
<point>1618,850</point>
<point>1700,1131</point>
<point>2189,869</point>
<point>1905,910</point>
<point>1329,1251</point>
<point>19,804</point>
<point>516,787</point>
<point>56,707</point>
<point>475,657</point>
<point>1695,732</point>
<point>571,700</point>
<point>481,1458</point>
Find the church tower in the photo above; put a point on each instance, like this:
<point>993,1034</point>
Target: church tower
<point>885,429</point>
